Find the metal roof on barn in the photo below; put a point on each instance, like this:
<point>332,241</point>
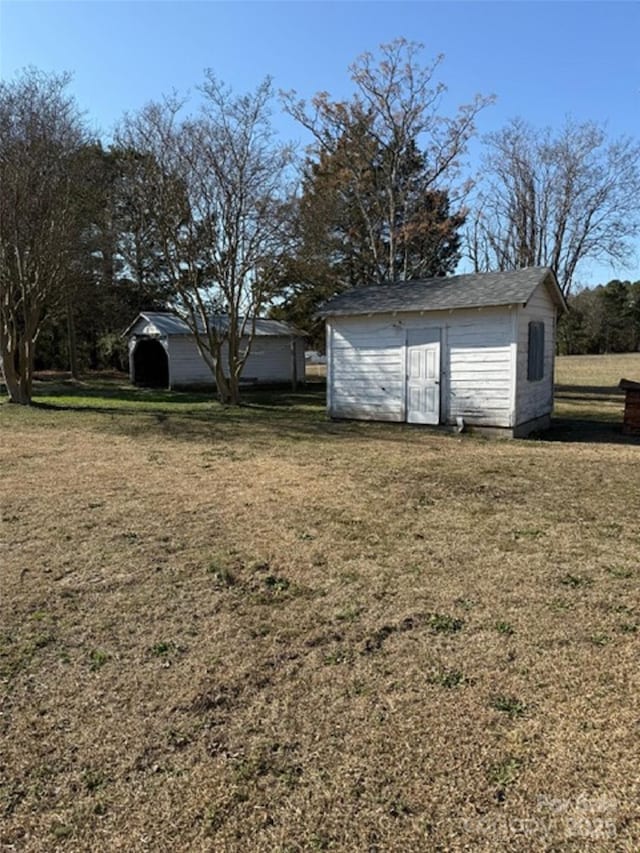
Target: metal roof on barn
<point>474,290</point>
<point>165,323</point>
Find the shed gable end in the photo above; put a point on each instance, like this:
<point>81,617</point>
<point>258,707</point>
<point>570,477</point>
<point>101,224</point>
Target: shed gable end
<point>536,356</point>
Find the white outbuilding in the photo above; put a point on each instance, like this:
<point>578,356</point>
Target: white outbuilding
<point>472,350</point>
<point>163,353</point>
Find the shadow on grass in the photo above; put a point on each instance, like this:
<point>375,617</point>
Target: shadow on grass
<point>299,415</point>
<point>265,413</point>
<point>116,387</point>
<point>582,431</point>
<point>609,393</point>
<point>68,397</point>
<point>197,416</point>
<point>594,422</point>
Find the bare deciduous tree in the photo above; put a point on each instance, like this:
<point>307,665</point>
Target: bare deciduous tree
<point>556,200</point>
<point>41,134</point>
<point>213,191</point>
<point>393,118</point>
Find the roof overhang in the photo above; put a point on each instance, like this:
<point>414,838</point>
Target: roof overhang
<point>383,299</point>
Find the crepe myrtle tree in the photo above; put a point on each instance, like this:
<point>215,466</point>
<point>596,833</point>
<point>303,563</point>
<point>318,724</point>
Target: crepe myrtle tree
<point>214,193</point>
<point>41,134</point>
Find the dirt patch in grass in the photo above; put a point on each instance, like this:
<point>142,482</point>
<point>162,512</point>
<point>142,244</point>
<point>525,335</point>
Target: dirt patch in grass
<point>256,630</point>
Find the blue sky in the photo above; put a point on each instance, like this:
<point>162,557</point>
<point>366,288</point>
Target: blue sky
<point>543,60</point>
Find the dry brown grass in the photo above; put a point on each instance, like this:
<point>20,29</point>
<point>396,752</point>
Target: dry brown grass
<point>316,371</point>
<point>587,385</point>
<point>260,631</point>
<point>597,370</point>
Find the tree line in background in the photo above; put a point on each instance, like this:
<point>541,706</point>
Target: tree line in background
<point>602,319</point>
<point>203,211</point>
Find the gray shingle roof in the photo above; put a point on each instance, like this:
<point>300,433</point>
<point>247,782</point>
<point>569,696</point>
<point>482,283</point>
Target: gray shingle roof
<point>170,324</point>
<point>475,290</point>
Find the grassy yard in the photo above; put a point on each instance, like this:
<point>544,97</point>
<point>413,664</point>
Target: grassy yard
<point>587,386</point>
<point>257,630</point>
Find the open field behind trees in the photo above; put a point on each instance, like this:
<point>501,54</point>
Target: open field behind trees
<point>257,630</point>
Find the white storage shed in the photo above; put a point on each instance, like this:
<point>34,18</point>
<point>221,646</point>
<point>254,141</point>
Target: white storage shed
<point>475,350</point>
<point>163,353</point>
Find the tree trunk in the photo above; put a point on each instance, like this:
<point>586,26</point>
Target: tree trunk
<point>234,390</point>
<point>294,365</point>
<point>71,338</point>
<point>17,378</point>
<point>15,388</point>
<point>233,381</point>
<point>222,383</point>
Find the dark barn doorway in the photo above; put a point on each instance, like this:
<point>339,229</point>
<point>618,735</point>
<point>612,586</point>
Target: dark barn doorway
<point>150,364</point>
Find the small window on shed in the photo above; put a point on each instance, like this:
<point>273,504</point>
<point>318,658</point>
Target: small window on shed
<point>535,370</point>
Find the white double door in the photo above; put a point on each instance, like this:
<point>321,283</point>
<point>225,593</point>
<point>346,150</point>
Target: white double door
<point>423,376</point>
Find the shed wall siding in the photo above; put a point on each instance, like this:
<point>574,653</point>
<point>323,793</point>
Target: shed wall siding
<point>186,365</point>
<point>535,399</point>
<point>479,366</point>
<point>366,371</point>
<point>269,361</point>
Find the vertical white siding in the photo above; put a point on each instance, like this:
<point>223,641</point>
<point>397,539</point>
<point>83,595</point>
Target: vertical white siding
<point>535,399</point>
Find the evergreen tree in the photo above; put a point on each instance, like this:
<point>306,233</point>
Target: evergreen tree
<point>345,237</point>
